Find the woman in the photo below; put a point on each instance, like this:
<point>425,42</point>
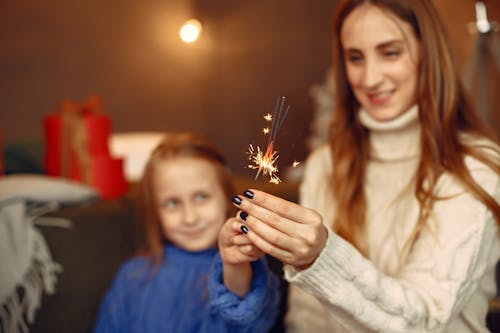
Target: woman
<point>398,227</point>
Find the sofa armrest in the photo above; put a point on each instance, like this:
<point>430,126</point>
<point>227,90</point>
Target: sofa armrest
<point>90,251</point>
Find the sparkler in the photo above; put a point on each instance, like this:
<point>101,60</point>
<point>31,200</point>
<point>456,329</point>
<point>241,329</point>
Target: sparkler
<point>266,162</point>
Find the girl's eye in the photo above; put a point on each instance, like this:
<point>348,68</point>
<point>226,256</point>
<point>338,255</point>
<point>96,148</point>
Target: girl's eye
<point>171,203</point>
<point>201,196</point>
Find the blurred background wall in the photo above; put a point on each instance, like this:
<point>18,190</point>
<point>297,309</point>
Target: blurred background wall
<point>129,53</point>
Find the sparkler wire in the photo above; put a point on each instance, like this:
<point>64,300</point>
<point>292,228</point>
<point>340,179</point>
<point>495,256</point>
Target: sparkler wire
<point>278,117</point>
<point>266,162</point>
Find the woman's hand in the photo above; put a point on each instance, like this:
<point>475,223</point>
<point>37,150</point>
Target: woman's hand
<point>289,232</point>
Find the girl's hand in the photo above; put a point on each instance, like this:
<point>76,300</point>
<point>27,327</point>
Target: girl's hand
<point>234,246</point>
<point>289,232</point>
<point>236,252</point>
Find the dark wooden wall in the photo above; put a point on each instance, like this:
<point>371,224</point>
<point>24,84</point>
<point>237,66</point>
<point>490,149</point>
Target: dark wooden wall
<point>128,53</point>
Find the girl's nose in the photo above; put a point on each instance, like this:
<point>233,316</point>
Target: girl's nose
<point>190,214</point>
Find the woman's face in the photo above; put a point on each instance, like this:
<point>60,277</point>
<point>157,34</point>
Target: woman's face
<point>381,55</point>
<point>191,203</point>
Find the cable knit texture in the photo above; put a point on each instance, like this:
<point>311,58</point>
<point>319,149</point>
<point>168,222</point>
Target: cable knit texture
<point>185,294</point>
<point>261,302</point>
<point>448,278</point>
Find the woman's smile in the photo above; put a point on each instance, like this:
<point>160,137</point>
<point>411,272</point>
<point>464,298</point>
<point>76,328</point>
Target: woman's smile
<point>380,98</point>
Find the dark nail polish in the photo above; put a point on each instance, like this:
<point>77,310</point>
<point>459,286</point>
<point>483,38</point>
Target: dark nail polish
<point>248,194</point>
<point>244,229</point>
<point>236,199</point>
<point>244,216</point>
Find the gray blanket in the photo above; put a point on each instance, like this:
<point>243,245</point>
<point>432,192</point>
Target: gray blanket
<point>26,266</point>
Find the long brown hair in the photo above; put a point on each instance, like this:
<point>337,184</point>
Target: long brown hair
<point>445,114</point>
<point>174,145</point>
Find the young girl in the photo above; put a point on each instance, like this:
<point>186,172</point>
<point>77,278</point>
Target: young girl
<point>181,283</point>
<point>398,227</point>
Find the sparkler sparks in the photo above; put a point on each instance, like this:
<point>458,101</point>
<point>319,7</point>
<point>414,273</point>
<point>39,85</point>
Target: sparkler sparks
<point>266,162</point>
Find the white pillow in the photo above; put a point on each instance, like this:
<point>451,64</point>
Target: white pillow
<point>134,148</point>
<point>36,187</point>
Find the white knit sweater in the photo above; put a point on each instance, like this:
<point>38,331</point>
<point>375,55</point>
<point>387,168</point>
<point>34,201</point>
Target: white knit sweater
<point>448,278</point>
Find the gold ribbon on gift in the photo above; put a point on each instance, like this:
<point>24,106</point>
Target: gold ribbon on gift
<point>74,141</point>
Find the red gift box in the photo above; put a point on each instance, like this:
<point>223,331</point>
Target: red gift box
<point>76,147</point>
<point>106,176</point>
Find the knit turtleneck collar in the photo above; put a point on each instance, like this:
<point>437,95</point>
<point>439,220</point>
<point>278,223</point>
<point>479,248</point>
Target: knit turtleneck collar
<point>176,254</point>
<point>395,139</point>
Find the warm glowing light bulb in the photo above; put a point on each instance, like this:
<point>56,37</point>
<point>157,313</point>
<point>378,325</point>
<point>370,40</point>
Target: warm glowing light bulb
<point>190,31</point>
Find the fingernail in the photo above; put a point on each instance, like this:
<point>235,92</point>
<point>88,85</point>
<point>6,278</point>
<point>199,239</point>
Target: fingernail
<point>236,199</point>
<point>244,216</point>
<point>244,229</point>
<point>248,194</point>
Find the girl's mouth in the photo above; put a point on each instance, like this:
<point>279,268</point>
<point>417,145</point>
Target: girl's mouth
<point>194,233</point>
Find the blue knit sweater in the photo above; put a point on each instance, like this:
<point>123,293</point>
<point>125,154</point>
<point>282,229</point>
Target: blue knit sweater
<point>185,294</point>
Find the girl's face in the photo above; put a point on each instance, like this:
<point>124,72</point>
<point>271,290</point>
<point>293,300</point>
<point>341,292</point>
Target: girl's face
<point>190,200</point>
<point>381,55</point>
